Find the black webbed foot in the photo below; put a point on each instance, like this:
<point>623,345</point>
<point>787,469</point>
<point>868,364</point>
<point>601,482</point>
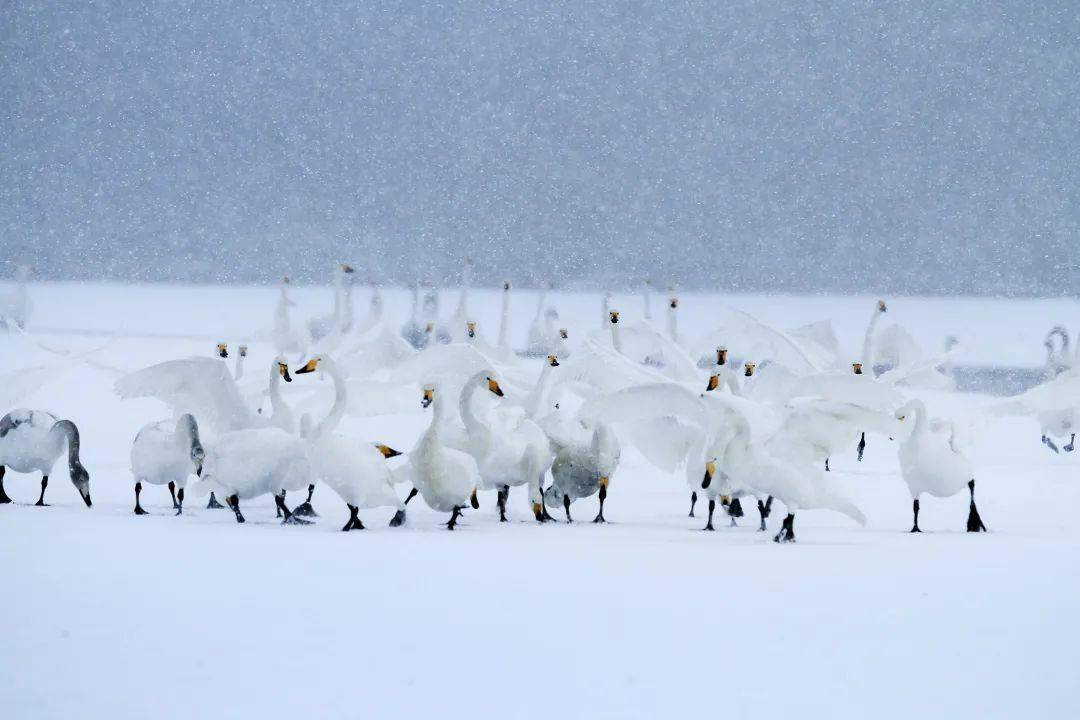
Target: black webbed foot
<point>398,520</point>
<point>304,509</point>
<point>214,504</point>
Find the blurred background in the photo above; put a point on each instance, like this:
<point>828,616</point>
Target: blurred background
<point>907,147</point>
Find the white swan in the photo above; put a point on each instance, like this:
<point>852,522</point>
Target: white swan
<point>866,357</point>
<point>167,453</point>
<point>1062,422</point>
<point>246,464</point>
<point>447,479</point>
<point>286,338</point>
<point>340,320</point>
<point>673,319</point>
<point>584,464</point>
<point>460,318</point>
<point>357,472</point>
<point>15,306</point>
<point>510,449</point>
<point>32,441</point>
<point>413,329</point>
<point>931,463</point>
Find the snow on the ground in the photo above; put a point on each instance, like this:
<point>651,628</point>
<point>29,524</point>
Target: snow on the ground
<point>112,615</point>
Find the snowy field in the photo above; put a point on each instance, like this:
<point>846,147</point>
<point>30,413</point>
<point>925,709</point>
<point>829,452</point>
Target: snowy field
<point>112,615</point>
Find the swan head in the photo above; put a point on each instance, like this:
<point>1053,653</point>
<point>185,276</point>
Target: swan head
<point>721,355</point>
<point>882,307</point>
<point>222,350</point>
<point>429,328</point>
<point>493,386</point>
<point>283,371</point>
<point>242,350</point>
<point>564,333</point>
<point>311,365</point>
<point>673,303</point>
<point>856,367</point>
<point>387,451</point>
<point>470,329</point>
<point>428,397</point>
<point>81,480</point>
<point>506,286</point>
<point>284,279</point>
<point>614,315</point>
<point>552,360</point>
<point>347,269</point>
<point>748,369</point>
<point>714,382</point>
<point>710,470</point>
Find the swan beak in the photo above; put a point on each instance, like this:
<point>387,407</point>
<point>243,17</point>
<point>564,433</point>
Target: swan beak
<point>710,468</point>
<point>86,499</point>
<point>474,501</point>
<point>493,386</point>
<point>243,351</point>
<point>198,470</point>
<point>309,366</point>
<point>222,350</point>
<point>749,369</point>
<point>881,306</point>
<point>283,369</point>
<point>429,397</point>
<point>604,479</point>
<point>387,451</point>
<point>725,500</point>
<point>721,356</point>
<point>347,269</point>
<point>553,361</point>
<point>471,328</point>
<point>714,382</point>
<point>614,316</point>
<point>901,418</point>
<point>564,334</point>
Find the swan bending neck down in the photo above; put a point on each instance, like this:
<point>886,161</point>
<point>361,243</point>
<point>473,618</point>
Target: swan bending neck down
<point>32,441</point>
<point>446,478</point>
<point>930,462</point>
<point>166,453</point>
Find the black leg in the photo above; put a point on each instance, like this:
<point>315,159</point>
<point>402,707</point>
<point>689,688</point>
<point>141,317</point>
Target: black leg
<point>862,446</point>
<point>915,509</point>
<point>693,502</point>
<point>214,504</point>
<point>763,513</point>
<point>138,508</point>
<point>180,505</point>
<point>290,516</point>
<point>304,509</point>
<point>454,518</point>
<point>712,508</point>
<point>566,507</point>
<point>234,503</point>
<point>172,492</point>
<point>603,496</point>
<point>1071,445</point>
<point>4,499</point>
<point>974,522</point>
<point>787,531</point>
<point>827,465</point>
<point>399,518</point>
<point>1049,443</point>
<point>412,494</point>
<point>44,484</point>
<point>503,493</point>
<point>354,520</point>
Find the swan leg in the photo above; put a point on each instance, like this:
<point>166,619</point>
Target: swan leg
<point>735,510</point>
<point>399,518</point>
<point>862,446</point>
<point>354,520</point>
<point>234,503</point>
<point>693,502</point>
<point>764,513</point>
<point>915,509</point>
<point>827,465</point>
<point>412,494</point>
<point>304,509</point>
<point>138,508</point>
<point>566,507</point>
<point>180,505</point>
<point>974,522</point>
<point>41,498</point>
<point>290,516</point>
<point>603,496</point>
<point>504,491</point>
<point>4,499</point>
<point>1072,441</point>
<point>543,501</point>
<point>214,504</point>
<point>454,518</point>
<point>787,531</point>
<point>1049,443</point>
<point>712,508</point>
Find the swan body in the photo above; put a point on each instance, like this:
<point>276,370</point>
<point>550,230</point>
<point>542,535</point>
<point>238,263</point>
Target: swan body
<point>446,478</point>
<point>15,306</point>
<point>167,453</point>
<point>584,465</point>
<point>340,320</point>
<point>286,338</point>
<point>32,441</point>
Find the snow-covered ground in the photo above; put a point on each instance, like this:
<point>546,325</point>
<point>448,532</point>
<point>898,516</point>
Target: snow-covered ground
<point>112,615</point>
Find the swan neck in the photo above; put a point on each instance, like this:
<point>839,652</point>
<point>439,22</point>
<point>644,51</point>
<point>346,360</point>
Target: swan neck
<point>616,338</point>
<point>337,411</point>
<point>868,341</point>
<point>541,391</point>
<point>504,326</point>
<point>187,430</point>
<point>68,429</point>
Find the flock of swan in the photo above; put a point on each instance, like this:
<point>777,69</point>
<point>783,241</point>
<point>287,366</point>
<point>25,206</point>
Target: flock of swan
<point>748,412</point>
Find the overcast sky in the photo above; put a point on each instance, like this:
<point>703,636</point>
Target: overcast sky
<point>825,146</point>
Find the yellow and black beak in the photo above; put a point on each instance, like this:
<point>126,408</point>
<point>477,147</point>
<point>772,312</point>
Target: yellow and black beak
<point>674,303</point>
<point>493,386</point>
<point>881,306</point>
<point>563,333</point>
<point>714,382</point>
<point>243,351</point>
<point>347,269</point>
<point>428,398</point>
<point>310,366</point>
<point>553,361</point>
<point>721,356</point>
<point>470,327</point>
<point>283,370</point>
<point>222,350</point>
<point>856,367</point>
<point>387,451</point>
<point>901,418</point>
<point>748,369</point>
<point>710,470</point>
<point>614,316</point>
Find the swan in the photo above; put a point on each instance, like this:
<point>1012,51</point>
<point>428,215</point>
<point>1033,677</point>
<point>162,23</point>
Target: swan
<point>931,463</point>
<point>460,318</point>
<point>1057,423</point>
<point>510,449</point>
<point>340,320</point>
<point>446,478</point>
<point>32,441</point>
<point>246,464</point>
<point>584,464</point>
<point>435,333</point>
<point>541,339</point>
<point>167,453</point>
<point>286,339</point>
<point>221,350</point>
<point>646,299</point>
<point>15,306</point>
<point>413,330</point>
<point>867,355</point>
<point>643,345</point>
<point>673,319</point>
<point>504,324</point>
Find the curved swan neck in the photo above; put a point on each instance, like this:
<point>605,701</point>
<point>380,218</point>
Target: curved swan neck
<point>68,429</point>
<point>187,431</point>
<point>917,409</point>
<point>337,410</point>
<point>541,391</point>
<point>468,416</point>
<point>673,323</point>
